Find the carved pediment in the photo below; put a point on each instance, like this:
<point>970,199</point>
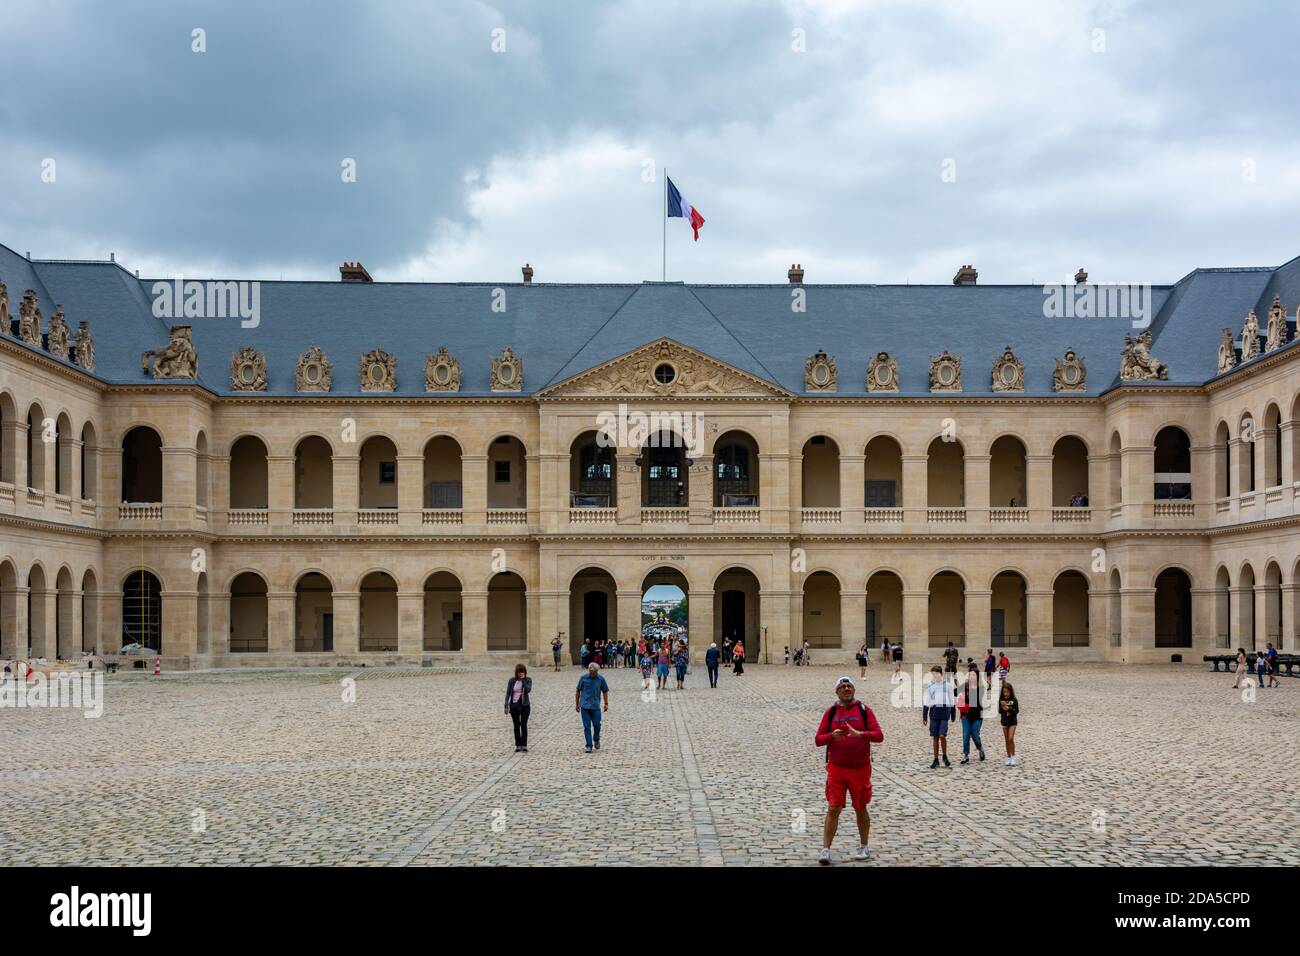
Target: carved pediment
<point>84,347</point>
<point>882,373</point>
<point>507,372</point>
<point>665,369</point>
<point>56,338</point>
<point>1070,375</point>
<point>1227,351</point>
<point>1277,330</point>
<point>945,373</point>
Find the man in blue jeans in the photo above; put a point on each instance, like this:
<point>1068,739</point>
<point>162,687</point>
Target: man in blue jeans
<point>586,700</point>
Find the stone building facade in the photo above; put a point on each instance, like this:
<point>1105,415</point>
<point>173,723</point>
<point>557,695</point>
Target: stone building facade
<point>381,473</point>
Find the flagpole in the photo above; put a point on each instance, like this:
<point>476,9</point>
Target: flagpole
<point>663,214</point>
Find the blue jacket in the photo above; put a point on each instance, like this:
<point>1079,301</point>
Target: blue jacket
<point>711,656</point>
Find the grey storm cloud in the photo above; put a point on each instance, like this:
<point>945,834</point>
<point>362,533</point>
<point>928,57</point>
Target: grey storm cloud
<point>1173,146</point>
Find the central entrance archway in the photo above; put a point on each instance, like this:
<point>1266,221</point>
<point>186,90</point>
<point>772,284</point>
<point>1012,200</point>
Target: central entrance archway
<point>665,611</point>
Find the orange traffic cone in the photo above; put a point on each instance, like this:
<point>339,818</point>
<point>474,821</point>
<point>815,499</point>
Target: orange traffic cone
<point>157,667</point>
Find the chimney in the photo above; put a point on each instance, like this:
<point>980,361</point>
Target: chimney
<point>528,274</point>
<point>354,272</point>
<point>1080,277</point>
<point>966,275</point>
<point>796,273</point>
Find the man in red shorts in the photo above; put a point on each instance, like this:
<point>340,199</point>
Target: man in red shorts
<point>847,731</point>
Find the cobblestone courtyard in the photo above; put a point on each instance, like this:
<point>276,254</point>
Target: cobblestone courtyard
<point>1121,766</point>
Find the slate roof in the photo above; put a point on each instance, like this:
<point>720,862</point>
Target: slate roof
<point>560,330</point>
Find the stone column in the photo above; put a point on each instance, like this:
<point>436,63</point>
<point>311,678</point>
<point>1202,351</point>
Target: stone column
<point>48,468</point>
<point>1203,490</point>
<point>70,629</point>
<point>178,466</point>
<point>1038,486</point>
<point>533,489</point>
<point>853,619</point>
<point>474,469</point>
<point>977,488</point>
<point>700,490</point>
<point>774,614</point>
<point>916,624</point>
<point>1138,472</point>
<point>73,447</point>
<point>979,617</point>
<point>15,450</point>
<point>1261,613</point>
<point>410,614</point>
<point>773,492</point>
<point>1289,477</point>
<point>853,491</point>
<point>627,492</point>
<point>916,490</point>
<point>795,484</point>
<point>629,615</point>
<point>14,643</point>
<point>1290,596</point>
<point>553,494</point>
<point>92,615</point>
<point>410,491</point>
<point>552,617</point>
<point>1098,617</point>
<point>1203,620</point>
<point>347,491</point>
<point>699,624</point>
<point>1139,616</point>
<point>347,623</point>
<point>280,622</point>
<point>43,633</point>
<point>279,489</point>
<point>179,623</point>
<point>474,605</point>
<point>1039,610</point>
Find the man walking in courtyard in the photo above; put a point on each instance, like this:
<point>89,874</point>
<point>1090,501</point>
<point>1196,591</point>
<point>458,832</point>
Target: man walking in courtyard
<point>711,662</point>
<point>938,708</point>
<point>587,699</point>
<point>556,645</point>
<point>847,731</point>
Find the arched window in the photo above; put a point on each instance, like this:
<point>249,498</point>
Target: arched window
<point>1173,465</point>
<point>142,611</point>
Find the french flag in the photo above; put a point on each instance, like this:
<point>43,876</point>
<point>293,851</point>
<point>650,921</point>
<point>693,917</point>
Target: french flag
<point>679,208</point>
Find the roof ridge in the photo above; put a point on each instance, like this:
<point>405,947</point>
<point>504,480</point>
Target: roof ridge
<point>587,341</point>
<point>767,371</point>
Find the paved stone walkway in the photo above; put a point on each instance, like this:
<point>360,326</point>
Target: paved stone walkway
<point>1121,766</point>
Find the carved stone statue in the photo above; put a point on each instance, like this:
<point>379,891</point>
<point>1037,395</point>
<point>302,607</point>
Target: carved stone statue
<point>378,371</point>
<point>56,337</point>
<point>176,359</point>
<point>1227,351</point>
<point>4,309</point>
<point>29,320</point>
<point>1138,363</point>
<point>882,373</point>
<point>1276,325</point>
<point>819,374</point>
<point>945,373</point>
<point>1250,337</point>
<point>248,371</point>
<point>84,347</point>
<point>507,372</point>
<point>314,371</point>
<point>1008,372</point>
<point>442,372</point>
<point>1071,374</point>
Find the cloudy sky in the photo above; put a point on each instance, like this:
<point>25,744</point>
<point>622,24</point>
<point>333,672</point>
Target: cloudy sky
<point>870,141</point>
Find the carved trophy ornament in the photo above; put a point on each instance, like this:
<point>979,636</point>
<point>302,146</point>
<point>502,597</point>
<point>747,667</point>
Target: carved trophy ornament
<point>84,347</point>
<point>819,373</point>
<point>507,372</point>
<point>56,337</point>
<point>1008,372</point>
<point>882,373</point>
<point>29,320</point>
<point>314,371</point>
<point>176,359</point>
<point>378,371</point>
<point>1227,351</point>
<point>945,373</point>
<point>442,372</point>
<point>1276,325</point>
<point>1250,337</point>
<point>4,309</point>
<point>1138,364</point>
<point>1070,373</point>
<point>248,371</point>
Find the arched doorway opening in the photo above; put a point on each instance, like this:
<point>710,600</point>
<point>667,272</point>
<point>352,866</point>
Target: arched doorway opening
<point>1222,609</point>
<point>1070,621</point>
<point>1173,607</point>
<point>947,610</point>
<point>248,474</point>
<point>142,612</point>
<point>945,475</point>
<point>737,613</point>
<point>444,619</point>
<point>593,474</point>
<point>1173,465</point>
<point>821,610</point>
<point>378,613</point>
<point>735,471</point>
<point>313,474</point>
<point>884,609</point>
<point>313,613</point>
<point>1070,473</point>
<point>142,466</point>
<point>593,612</point>
<point>1007,477</point>
<point>248,614</point>
<point>507,612</point>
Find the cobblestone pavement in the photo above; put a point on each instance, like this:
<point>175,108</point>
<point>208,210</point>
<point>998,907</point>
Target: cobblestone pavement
<point>1121,766</point>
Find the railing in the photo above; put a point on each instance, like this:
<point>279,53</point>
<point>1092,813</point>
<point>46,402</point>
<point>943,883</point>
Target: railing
<point>1008,515</point>
<point>1117,511</point>
<point>1071,515</point>
<point>6,492</point>
<point>443,516</point>
<point>1116,639</point>
<point>377,516</point>
<point>248,516</point>
<point>201,513</point>
<point>945,515</point>
<point>1010,640</point>
<point>737,515</point>
<point>821,515</point>
<point>665,515</point>
<point>1222,505</point>
<point>63,503</point>
<point>507,516</point>
<point>1069,640</point>
<point>941,640</point>
<point>35,496</point>
<point>877,641</point>
<point>593,515</point>
<point>882,515</point>
<point>139,511</point>
<point>310,516</point>
<point>1175,509</point>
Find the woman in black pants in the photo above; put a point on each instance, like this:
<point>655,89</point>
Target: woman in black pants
<point>518,705</point>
